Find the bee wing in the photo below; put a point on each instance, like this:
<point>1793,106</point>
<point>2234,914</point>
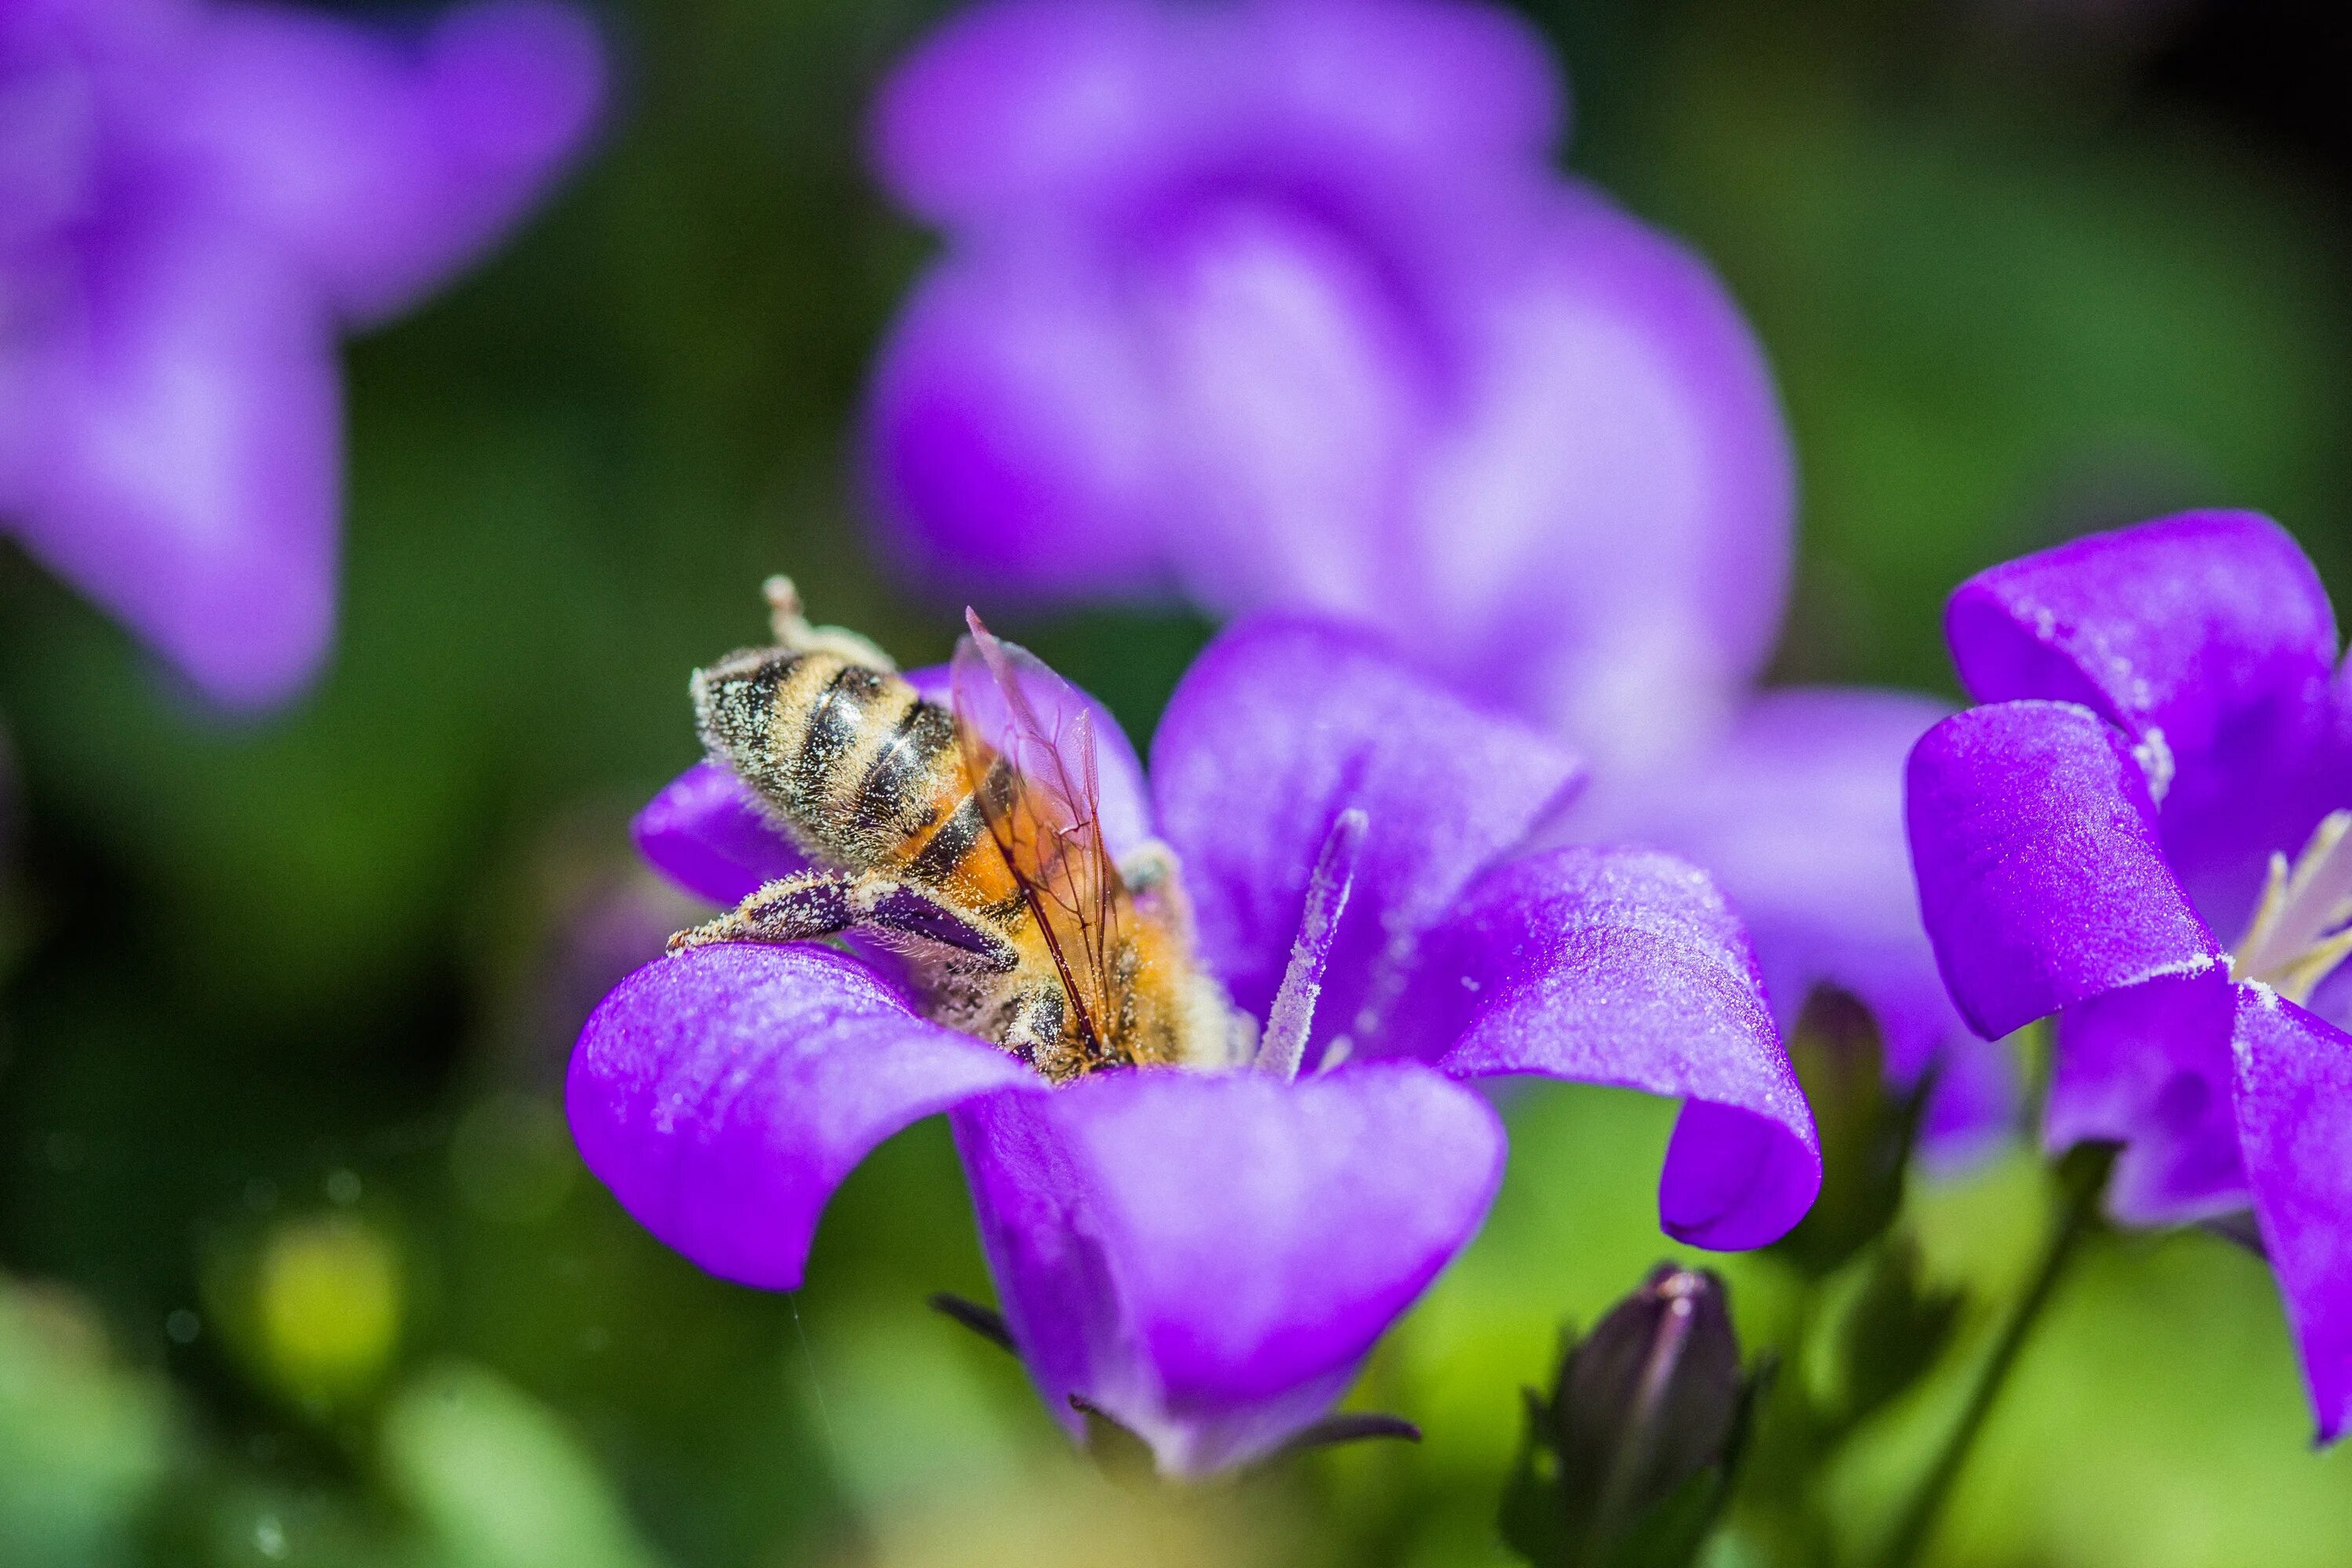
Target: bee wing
<point>1046,817</point>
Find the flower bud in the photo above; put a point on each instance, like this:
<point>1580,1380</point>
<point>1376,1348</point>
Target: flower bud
<point>1630,1458</point>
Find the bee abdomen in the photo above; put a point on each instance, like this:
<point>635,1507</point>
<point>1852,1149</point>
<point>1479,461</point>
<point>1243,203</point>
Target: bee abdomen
<point>797,726</point>
<point>914,795</point>
<point>867,772</point>
<point>914,772</point>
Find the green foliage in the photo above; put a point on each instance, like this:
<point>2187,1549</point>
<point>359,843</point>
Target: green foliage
<point>1891,1332</point>
<point>2000,317</point>
<point>497,1480</point>
<point>1868,1129</point>
<point>83,1439</point>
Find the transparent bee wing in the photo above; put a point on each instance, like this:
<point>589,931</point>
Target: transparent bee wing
<point>1028,741</point>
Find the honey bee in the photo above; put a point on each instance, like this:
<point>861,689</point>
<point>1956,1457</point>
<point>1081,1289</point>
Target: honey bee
<point>967,838</point>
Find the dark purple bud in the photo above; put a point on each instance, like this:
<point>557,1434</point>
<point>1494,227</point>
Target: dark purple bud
<point>1631,1455</point>
<point>1647,1400</point>
<point>1632,1452</point>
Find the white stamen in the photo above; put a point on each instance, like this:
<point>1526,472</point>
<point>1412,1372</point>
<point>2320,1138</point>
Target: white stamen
<point>2155,759</point>
<point>2296,939</point>
<point>1292,1016</point>
<point>1334,1054</point>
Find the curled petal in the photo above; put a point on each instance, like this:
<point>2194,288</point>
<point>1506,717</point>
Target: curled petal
<point>2042,881</point>
<point>1283,724</point>
<point>1796,813</point>
<point>705,832</point>
<point>2294,1124</point>
<point>1207,1258</point>
<point>723,1093</point>
<point>2206,634</point>
<point>2149,1066</point>
<point>1624,967</point>
<point>1304,367</point>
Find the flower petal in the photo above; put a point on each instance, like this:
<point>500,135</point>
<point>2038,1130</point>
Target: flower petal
<point>1796,813</point>
<point>1014,105</point>
<point>1021,99</point>
<point>1011,438</point>
<point>1279,305</point>
<point>1208,1259</point>
<point>1624,967</point>
<point>723,1093</point>
<point>1455,84</point>
<point>170,441</point>
<point>2208,632</point>
<point>1303,370</point>
<point>1278,727</point>
<point>384,167</point>
<point>2149,1066</point>
<point>2294,1124</point>
<point>1601,538</point>
<point>705,832</point>
<point>2040,878</point>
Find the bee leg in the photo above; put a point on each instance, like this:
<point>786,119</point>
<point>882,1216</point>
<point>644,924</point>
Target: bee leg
<point>790,908</point>
<point>1033,1031</point>
<point>902,909</point>
<point>825,903</point>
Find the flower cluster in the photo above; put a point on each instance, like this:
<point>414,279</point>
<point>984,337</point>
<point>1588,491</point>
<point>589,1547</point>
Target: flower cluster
<point>1278,307</point>
<point>2142,831</point>
<point>1280,304</point>
<point>194,200</point>
<point>1206,1256</point>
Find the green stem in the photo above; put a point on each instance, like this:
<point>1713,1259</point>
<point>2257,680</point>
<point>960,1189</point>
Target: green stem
<point>2083,1177</point>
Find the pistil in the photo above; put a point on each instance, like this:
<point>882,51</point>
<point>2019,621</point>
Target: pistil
<point>1292,1016</point>
<point>2299,934</point>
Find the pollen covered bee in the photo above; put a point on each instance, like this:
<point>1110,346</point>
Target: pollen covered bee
<point>969,838</point>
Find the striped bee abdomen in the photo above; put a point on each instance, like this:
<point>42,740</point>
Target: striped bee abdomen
<point>866,771</point>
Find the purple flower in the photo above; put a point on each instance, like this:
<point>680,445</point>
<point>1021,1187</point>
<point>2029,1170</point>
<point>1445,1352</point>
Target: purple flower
<point>1279,304</point>
<point>194,200</point>
<point>1207,1256</point>
<point>2161,756</point>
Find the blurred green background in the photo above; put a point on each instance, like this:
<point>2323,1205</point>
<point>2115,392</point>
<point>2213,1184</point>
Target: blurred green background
<point>296,1263</point>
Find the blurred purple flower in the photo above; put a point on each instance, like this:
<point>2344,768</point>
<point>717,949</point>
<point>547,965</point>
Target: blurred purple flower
<point>1207,1257</point>
<point>194,199</point>
<point>1279,304</point>
<point>2164,752</point>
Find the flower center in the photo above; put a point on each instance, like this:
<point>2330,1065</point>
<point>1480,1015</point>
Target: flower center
<point>2298,935</point>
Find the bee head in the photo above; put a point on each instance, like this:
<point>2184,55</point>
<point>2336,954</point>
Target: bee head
<point>735,705</point>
